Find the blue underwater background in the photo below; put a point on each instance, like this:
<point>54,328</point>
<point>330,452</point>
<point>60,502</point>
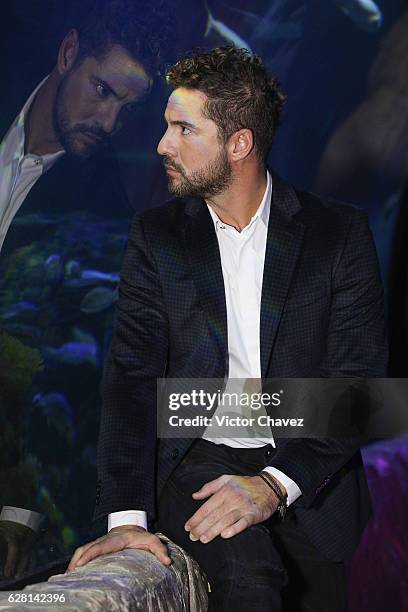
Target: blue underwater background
<point>343,65</point>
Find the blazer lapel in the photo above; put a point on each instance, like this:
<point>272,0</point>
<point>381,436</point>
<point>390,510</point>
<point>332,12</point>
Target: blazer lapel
<point>205,261</point>
<point>285,236</point>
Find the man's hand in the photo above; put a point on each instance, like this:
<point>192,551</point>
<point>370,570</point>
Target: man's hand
<point>16,541</point>
<point>236,503</point>
<point>119,538</point>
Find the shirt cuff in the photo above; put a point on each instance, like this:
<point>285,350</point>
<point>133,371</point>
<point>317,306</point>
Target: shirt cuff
<point>28,518</point>
<point>291,487</point>
<point>127,517</point>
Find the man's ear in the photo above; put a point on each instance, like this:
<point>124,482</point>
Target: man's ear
<point>68,52</point>
<point>241,144</point>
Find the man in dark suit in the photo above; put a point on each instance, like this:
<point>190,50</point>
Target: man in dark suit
<point>240,276</point>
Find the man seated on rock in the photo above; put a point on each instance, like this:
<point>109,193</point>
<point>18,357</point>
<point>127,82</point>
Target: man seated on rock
<point>240,276</point>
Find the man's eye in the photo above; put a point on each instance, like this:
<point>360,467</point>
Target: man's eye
<point>185,131</point>
<point>103,91</point>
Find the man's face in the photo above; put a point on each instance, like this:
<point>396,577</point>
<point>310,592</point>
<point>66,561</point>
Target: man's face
<point>196,162</point>
<point>93,97</point>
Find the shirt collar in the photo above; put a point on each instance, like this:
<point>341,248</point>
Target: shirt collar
<point>15,138</point>
<point>263,210</point>
<point>265,205</point>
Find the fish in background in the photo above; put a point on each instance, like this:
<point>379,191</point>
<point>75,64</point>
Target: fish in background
<point>54,270</point>
<point>224,31</point>
<point>20,310</point>
<point>365,13</point>
<point>110,277</point>
<point>82,350</point>
<point>75,278</point>
<point>98,299</point>
<point>281,23</point>
<point>276,33</point>
<point>72,268</point>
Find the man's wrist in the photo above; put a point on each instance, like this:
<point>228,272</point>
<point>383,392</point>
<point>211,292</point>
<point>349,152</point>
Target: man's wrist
<point>279,491</point>
<point>290,485</point>
<point>281,487</point>
<point>127,527</point>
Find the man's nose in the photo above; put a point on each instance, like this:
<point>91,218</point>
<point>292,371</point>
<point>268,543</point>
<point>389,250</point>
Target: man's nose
<point>165,146</point>
<point>108,118</point>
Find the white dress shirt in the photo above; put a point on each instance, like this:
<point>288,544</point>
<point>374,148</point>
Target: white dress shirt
<point>19,171</point>
<point>18,174</point>
<point>242,259</point>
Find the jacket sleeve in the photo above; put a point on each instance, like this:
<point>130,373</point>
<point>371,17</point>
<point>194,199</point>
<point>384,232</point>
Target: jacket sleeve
<point>356,347</point>
<point>137,357</point>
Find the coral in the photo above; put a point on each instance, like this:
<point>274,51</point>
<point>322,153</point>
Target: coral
<point>18,365</point>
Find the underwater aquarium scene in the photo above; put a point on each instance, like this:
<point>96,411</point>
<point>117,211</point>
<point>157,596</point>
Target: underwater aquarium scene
<point>69,190</point>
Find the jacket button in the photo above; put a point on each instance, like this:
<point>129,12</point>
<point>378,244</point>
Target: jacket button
<point>174,453</point>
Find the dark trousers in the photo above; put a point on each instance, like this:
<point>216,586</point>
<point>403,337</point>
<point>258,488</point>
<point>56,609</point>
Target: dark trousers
<point>269,567</point>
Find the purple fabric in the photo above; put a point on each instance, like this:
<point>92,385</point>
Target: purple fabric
<point>378,570</point>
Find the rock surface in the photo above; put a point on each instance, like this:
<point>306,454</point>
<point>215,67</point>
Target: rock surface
<point>126,581</point>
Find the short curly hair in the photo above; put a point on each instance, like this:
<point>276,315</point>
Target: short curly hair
<point>143,30</point>
<point>240,92</point>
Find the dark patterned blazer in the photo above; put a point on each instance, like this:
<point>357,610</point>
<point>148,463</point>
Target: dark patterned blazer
<point>321,316</point>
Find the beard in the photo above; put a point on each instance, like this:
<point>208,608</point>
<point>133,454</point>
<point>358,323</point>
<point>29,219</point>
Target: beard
<point>69,134</point>
<point>207,182</point>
